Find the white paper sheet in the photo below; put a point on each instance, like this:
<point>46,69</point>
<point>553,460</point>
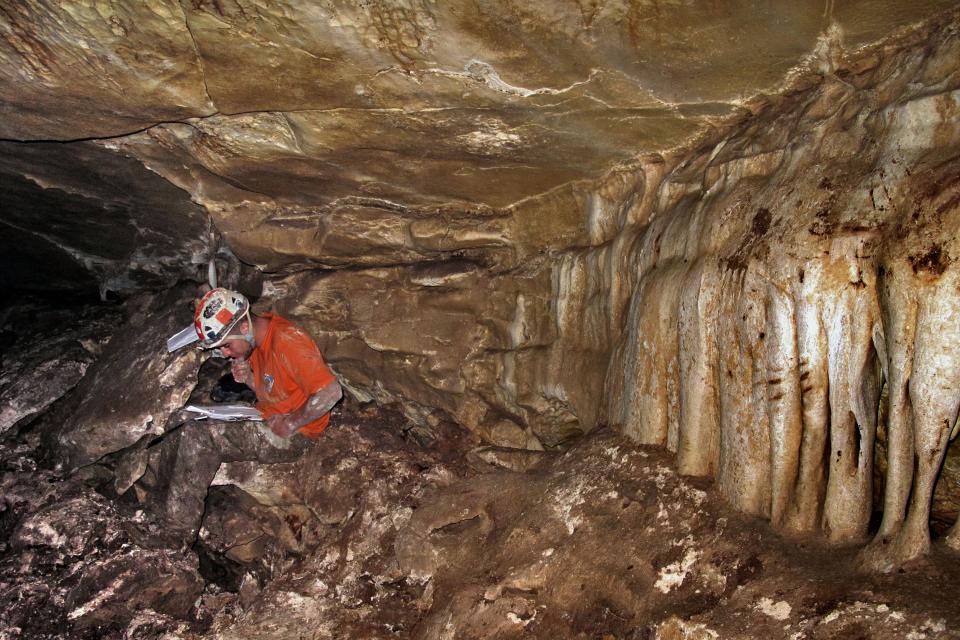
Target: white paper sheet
<point>225,412</point>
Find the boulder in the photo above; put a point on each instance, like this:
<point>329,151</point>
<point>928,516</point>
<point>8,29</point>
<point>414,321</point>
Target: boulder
<point>114,589</point>
<point>49,352</point>
<point>135,386</point>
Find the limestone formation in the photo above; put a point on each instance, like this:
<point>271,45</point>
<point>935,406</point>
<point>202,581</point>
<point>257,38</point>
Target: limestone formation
<point>728,230</point>
<point>822,269</point>
<point>730,300</point>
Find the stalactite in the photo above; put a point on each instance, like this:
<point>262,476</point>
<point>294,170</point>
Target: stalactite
<point>921,300</point>
<point>761,329</point>
<point>698,446</point>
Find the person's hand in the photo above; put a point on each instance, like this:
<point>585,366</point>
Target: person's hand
<point>241,371</point>
<point>282,425</point>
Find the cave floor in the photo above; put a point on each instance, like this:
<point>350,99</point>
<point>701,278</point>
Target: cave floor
<point>390,530</point>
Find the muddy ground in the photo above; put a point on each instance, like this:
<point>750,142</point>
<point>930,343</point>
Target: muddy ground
<point>389,530</point>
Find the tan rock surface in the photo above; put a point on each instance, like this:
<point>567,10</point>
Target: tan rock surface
<point>538,220</point>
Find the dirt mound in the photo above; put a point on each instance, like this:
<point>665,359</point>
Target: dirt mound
<point>604,541</point>
<point>387,530</point>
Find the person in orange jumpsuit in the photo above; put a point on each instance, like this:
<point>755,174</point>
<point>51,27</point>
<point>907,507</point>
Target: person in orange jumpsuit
<point>295,391</point>
<point>294,386</point>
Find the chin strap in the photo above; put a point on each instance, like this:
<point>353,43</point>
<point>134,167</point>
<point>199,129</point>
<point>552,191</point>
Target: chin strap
<point>248,336</point>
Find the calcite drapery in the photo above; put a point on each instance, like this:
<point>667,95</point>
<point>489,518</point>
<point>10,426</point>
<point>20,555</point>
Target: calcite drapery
<point>786,278</point>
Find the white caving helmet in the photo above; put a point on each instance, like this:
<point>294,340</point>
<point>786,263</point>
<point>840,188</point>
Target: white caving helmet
<point>217,313</point>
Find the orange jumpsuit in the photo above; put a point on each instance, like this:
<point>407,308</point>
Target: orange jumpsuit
<point>287,369</point>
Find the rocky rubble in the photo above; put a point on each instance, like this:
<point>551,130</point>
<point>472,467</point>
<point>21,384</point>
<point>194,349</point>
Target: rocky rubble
<point>323,528</point>
<point>44,353</point>
<point>76,564</point>
<point>79,561</point>
<point>385,529</point>
<point>605,540</point>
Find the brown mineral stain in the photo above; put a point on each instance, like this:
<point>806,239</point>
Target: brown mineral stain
<point>822,225</point>
<point>949,205</point>
<point>947,110</point>
<point>934,261</point>
<point>753,244</point>
<point>761,222</point>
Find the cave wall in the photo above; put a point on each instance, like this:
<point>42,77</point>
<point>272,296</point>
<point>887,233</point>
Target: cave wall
<point>740,301</point>
<point>429,190</point>
<point>724,299</point>
<point>815,169</point>
<point>79,219</point>
<point>788,269</point>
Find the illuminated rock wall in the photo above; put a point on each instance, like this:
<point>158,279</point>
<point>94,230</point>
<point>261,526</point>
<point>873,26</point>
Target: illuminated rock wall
<point>790,269</point>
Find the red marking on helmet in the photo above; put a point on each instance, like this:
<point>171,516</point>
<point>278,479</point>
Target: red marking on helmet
<point>224,316</point>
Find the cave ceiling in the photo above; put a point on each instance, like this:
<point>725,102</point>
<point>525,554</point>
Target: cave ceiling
<point>335,133</point>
